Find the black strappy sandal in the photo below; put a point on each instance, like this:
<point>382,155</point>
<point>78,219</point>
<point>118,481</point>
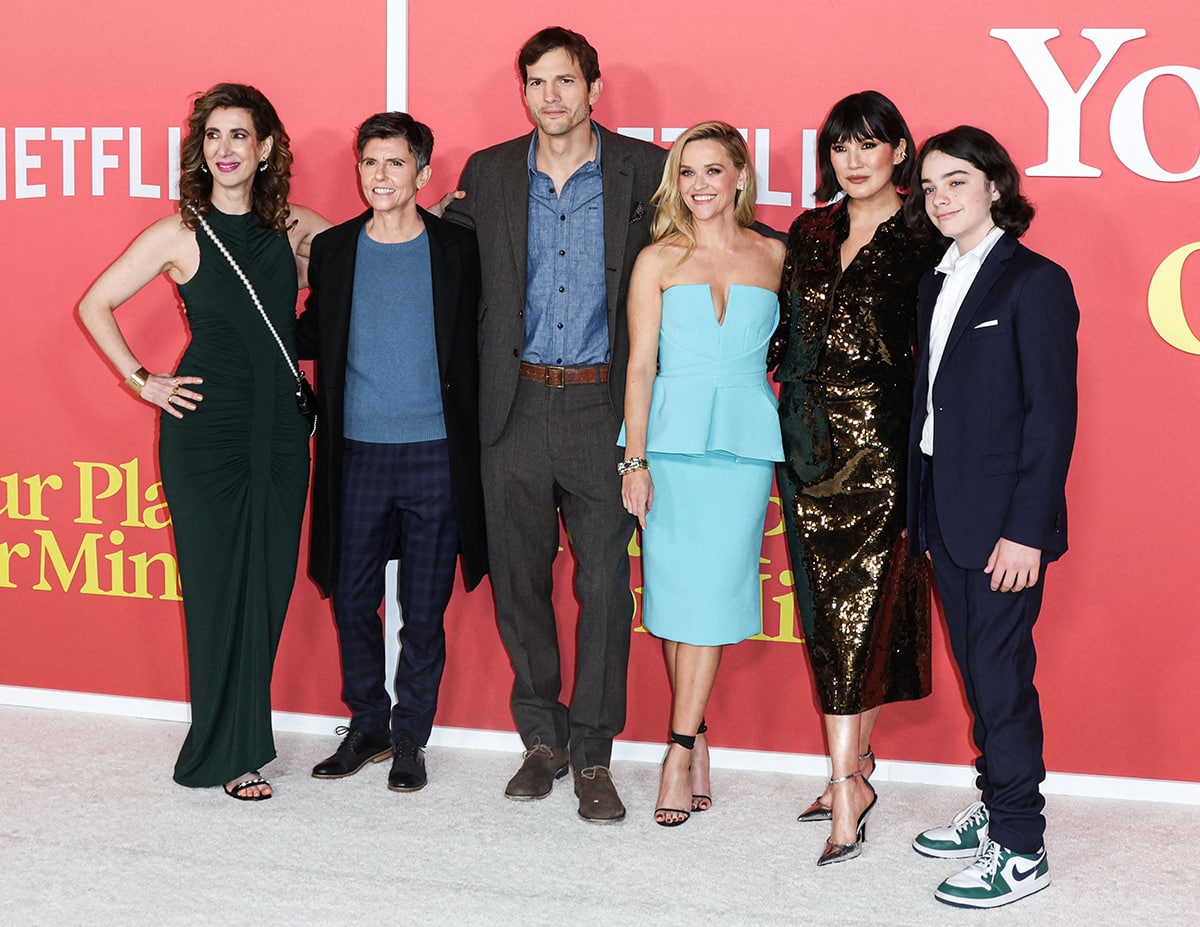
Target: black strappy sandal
<point>698,801</point>
<point>660,814</point>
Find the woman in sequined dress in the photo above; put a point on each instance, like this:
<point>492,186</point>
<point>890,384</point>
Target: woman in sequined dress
<point>844,347</point>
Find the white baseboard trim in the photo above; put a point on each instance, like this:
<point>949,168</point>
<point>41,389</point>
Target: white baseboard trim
<point>800,764</point>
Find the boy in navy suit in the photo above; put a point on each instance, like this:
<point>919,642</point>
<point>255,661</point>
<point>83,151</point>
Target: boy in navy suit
<point>992,432</point>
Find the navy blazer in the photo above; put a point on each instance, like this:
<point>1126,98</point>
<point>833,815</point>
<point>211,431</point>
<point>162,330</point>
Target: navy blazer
<point>1006,403</point>
<point>323,332</point>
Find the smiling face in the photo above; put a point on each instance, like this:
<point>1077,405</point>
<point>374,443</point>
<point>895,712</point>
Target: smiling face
<point>232,151</point>
<point>559,98</point>
<point>387,172</point>
<point>708,179</point>
<point>864,166</point>
<point>958,198</point>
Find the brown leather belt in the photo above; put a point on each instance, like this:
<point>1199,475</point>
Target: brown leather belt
<point>558,377</point>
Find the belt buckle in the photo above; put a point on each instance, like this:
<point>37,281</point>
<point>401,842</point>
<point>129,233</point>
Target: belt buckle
<point>562,377</point>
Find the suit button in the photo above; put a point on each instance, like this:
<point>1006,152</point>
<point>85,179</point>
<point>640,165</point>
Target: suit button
<point>516,353</point>
<point>447,386</point>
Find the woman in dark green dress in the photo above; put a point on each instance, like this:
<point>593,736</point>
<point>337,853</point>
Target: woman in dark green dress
<point>233,447</point>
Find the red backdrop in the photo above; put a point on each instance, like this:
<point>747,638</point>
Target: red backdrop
<point>1105,118</point>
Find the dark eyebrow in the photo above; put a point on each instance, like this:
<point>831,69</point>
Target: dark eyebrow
<point>957,170</point>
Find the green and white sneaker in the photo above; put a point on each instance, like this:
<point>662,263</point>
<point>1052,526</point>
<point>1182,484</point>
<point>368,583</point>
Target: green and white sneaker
<point>998,877</point>
<point>963,839</point>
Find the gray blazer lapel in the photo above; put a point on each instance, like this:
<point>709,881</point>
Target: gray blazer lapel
<point>514,194</point>
<point>617,174</point>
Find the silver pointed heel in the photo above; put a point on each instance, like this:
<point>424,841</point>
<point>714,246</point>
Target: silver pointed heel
<point>818,811</point>
<point>840,852</point>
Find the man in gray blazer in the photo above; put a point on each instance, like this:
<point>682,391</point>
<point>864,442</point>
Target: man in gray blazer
<point>560,215</point>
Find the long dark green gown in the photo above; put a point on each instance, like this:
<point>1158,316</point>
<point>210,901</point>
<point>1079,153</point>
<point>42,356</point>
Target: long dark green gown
<point>235,475</point>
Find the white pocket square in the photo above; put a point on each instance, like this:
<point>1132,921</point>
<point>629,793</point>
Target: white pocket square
<point>988,324</point>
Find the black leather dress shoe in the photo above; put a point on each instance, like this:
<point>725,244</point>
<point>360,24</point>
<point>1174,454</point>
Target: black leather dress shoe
<point>408,767</point>
<point>358,749</point>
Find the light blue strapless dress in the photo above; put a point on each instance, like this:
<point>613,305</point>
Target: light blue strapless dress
<point>712,439</point>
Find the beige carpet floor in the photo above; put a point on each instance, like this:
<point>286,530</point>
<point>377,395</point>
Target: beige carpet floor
<point>93,831</point>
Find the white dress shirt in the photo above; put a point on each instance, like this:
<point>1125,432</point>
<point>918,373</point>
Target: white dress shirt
<point>961,271</point>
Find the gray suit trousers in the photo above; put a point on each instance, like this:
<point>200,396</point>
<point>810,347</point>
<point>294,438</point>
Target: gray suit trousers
<point>558,453</point>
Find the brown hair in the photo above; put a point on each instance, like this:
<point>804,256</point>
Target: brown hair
<point>269,204</point>
<point>1011,211</point>
<point>574,44</point>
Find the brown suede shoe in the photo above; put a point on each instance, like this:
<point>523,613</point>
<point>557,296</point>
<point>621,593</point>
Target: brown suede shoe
<point>598,799</point>
<point>541,767</point>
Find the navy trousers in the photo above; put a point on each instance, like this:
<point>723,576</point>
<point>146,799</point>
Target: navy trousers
<point>394,497</point>
<point>991,634</point>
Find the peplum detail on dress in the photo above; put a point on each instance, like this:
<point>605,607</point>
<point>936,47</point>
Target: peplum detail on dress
<point>712,394</point>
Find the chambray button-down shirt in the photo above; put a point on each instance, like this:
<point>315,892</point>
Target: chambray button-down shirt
<point>566,303</point>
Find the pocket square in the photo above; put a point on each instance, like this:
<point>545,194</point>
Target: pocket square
<point>988,324</point>
<point>639,213</point>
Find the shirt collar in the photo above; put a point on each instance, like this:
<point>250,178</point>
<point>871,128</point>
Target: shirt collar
<point>531,157</point>
<point>977,255</point>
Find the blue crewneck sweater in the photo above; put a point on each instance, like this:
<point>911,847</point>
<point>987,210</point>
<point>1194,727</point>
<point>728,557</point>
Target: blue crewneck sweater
<point>392,394</point>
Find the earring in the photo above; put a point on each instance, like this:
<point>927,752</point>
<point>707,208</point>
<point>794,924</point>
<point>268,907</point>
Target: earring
<point>741,185</point>
<point>262,165</point>
<point>203,168</point>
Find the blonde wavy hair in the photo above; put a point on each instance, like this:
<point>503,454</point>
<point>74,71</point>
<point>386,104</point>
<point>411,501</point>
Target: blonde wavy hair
<point>671,215</point>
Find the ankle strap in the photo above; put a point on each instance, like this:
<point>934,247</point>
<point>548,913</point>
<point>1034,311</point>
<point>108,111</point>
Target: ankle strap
<point>869,755</point>
<point>684,740</point>
<point>844,778</point>
<point>702,729</point>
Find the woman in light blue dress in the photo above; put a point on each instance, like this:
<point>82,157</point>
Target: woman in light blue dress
<point>701,431</point>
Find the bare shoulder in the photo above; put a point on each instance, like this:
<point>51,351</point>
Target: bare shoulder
<point>167,233</point>
<point>167,246</point>
<point>763,247</point>
<point>774,247</point>
<point>659,256</point>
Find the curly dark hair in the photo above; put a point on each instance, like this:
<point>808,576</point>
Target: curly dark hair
<point>1011,211</point>
<point>863,115</point>
<point>271,187</point>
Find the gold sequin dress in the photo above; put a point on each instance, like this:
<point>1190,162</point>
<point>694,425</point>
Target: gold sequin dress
<point>844,349</point>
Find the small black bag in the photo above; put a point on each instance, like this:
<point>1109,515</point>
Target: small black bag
<point>306,402</point>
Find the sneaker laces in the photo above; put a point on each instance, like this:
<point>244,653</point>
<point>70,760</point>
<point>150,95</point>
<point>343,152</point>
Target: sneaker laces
<point>989,862</point>
<point>970,818</point>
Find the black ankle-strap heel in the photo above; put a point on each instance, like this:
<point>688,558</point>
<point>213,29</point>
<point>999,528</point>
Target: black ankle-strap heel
<point>673,817</point>
<point>688,743</point>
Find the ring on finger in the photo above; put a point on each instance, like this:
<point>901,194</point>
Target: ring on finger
<point>175,390</point>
